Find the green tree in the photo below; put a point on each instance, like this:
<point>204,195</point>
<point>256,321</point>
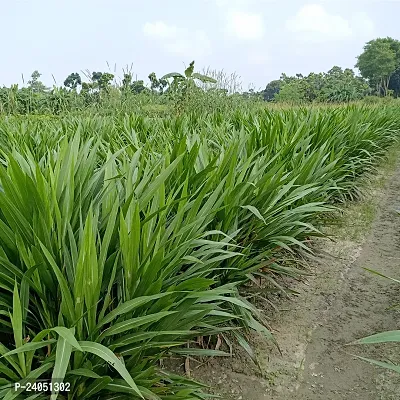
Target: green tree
<point>100,86</point>
<point>394,83</point>
<point>102,80</point>
<point>340,86</point>
<point>138,87</point>
<point>334,86</point>
<point>271,90</point>
<point>378,62</point>
<point>157,85</point>
<point>130,86</point>
<point>295,89</point>
<point>73,81</point>
<point>34,84</point>
<point>291,92</point>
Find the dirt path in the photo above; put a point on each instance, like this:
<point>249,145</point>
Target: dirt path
<point>357,309</point>
<point>341,302</point>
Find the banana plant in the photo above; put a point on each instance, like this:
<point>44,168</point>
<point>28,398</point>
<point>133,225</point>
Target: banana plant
<point>189,76</point>
<point>183,85</point>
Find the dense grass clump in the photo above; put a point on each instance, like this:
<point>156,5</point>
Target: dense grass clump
<point>124,238</point>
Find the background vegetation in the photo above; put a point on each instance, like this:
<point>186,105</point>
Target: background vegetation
<point>102,92</point>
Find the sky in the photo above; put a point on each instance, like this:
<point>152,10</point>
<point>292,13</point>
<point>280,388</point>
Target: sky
<point>255,39</point>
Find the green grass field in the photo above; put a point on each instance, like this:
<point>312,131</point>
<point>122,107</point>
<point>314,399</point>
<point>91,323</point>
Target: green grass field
<point>123,239</point>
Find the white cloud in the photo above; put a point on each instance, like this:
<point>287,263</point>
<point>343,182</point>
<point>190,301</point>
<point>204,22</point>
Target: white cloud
<point>313,23</point>
<point>244,25</point>
<point>180,41</point>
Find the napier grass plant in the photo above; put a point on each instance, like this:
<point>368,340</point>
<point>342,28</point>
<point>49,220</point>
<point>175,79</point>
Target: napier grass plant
<point>124,239</point>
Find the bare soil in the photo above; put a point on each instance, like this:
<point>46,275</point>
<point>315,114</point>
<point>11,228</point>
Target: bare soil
<point>339,303</point>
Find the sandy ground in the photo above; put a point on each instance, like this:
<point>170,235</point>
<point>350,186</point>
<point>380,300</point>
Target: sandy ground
<point>339,303</point>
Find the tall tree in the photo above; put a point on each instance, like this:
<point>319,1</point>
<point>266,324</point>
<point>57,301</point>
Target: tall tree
<point>271,90</point>
<point>378,62</point>
<point>35,84</point>
<point>394,83</point>
<point>73,81</point>
<point>102,80</point>
<point>157,84</point>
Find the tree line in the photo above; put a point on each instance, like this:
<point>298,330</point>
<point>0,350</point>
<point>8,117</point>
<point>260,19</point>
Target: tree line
<point>379,66</point>
<point>101,89</point>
